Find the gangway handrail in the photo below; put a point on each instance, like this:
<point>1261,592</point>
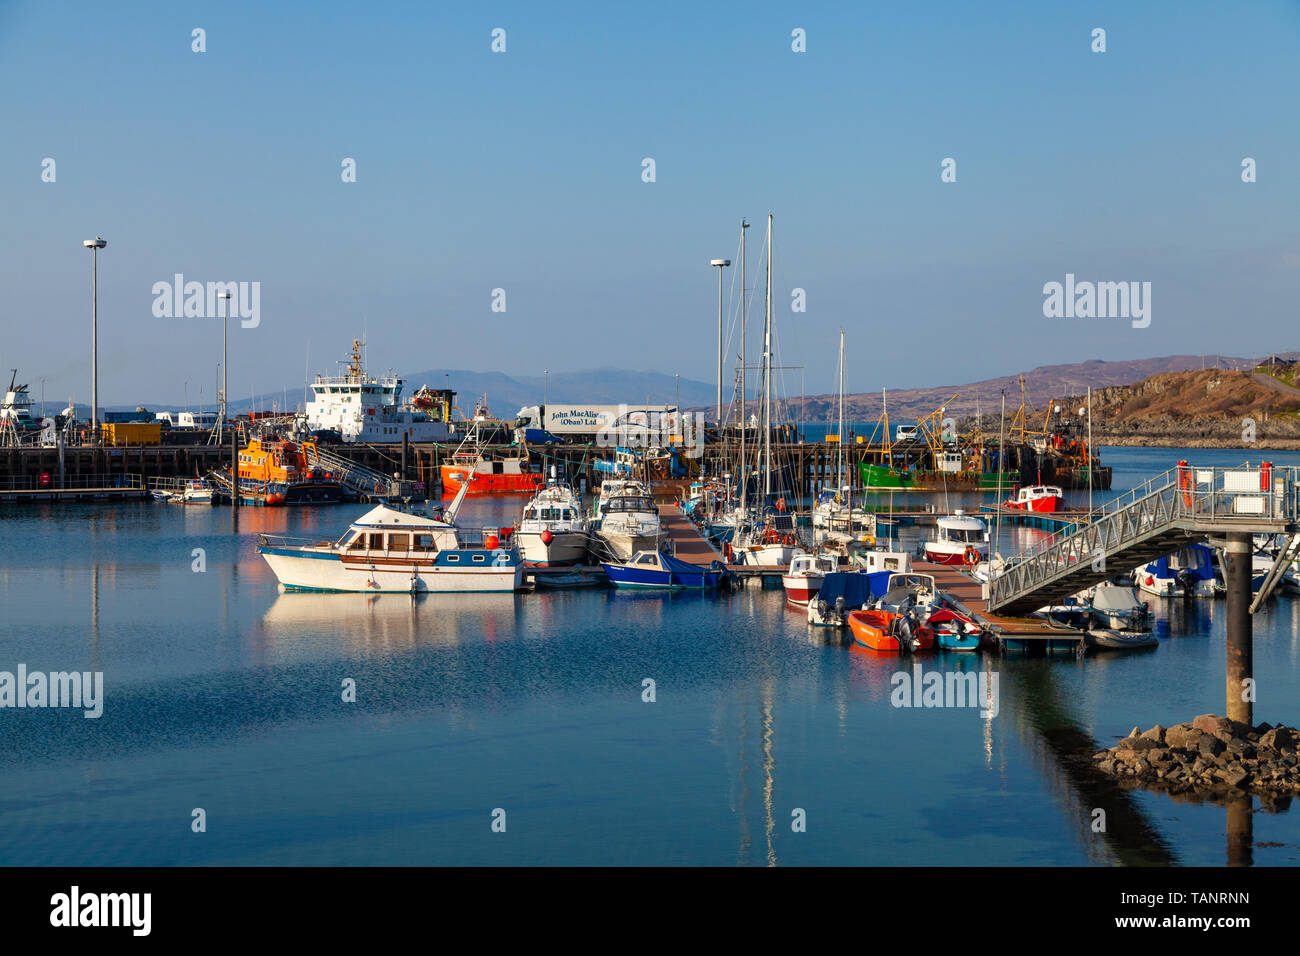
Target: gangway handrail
<point>1172,501</point>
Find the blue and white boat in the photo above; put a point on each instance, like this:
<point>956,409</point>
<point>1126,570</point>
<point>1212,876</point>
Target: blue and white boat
<point>1187,573</point>
<point>845,591</point>
<point>391,550</point>
<point>655,569</point>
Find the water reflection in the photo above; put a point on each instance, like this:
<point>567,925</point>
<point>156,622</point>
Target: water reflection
<point>367,623</point>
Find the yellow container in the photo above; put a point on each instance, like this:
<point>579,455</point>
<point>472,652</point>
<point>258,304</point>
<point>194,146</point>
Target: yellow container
<point>131,433</point>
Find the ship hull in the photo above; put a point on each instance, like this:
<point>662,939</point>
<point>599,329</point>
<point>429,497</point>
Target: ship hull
<point>305,569</point>
<point>488,484</point>
<point>566,547</point>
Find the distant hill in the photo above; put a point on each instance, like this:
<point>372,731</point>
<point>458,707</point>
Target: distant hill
<point>1210,408</point>
<point>1042,384</point>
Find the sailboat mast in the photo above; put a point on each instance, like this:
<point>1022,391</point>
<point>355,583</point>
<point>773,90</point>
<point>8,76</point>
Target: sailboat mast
<point>767,372</point>
<point>839,441</point>
<point>744,465</point>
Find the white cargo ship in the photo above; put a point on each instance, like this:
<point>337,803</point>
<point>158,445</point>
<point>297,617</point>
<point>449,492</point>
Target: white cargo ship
<point>363,408</point>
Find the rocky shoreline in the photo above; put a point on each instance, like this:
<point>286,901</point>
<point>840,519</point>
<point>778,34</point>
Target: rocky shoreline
<point>1210,754</point>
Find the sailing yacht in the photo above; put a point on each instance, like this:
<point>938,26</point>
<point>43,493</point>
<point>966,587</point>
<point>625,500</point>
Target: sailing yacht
<point>833,512</point>
<point>770,537</point>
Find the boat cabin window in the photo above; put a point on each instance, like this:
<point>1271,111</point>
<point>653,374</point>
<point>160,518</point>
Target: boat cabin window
<point>399,542</point>
<point>964,536</point>
<point>376,542</point>
<point>422,542</point>
<point>631,504</point>
<point>357,541</point>
<point>647,559</point>
<point>498,467</point>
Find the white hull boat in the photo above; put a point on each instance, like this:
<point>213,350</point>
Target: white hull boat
<point>390,550</point>
<point>553,529</point>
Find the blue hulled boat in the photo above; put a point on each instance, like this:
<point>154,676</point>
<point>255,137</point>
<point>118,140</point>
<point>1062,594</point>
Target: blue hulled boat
<point>654,569</point>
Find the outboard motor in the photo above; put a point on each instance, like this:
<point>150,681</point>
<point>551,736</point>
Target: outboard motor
<point>906,642</point>
<point>1187,581</point>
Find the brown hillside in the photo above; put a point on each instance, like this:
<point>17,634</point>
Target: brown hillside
<point>1208,393</point>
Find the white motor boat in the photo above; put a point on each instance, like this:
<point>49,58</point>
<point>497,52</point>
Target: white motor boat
<point>874,560</point>
<point>960,539</point>
<point>630,523</point>
<point>1041,498</point>
<point>554,529</point>
<point>391,550</point>
<point>804,577</point>
<point>1188,572</point>
<point>1118,607</point>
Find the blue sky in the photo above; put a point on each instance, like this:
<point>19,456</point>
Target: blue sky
<point>522,171</point>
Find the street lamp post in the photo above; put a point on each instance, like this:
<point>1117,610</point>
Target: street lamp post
<point>225,394</point>
<point>720,264</point>
<point>94,245</point>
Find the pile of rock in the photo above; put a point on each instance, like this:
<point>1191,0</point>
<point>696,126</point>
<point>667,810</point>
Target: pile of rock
<point>1209,753</point>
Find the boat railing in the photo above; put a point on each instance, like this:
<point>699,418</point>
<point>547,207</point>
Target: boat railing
<point>294,541</point>
<point>84,481</point>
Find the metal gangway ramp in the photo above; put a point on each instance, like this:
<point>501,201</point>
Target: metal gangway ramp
<point>1184,505</point>
<point>356,478</point>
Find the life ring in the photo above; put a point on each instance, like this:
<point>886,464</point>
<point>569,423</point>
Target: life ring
<point>44,480</point>
<point>971,555</point>
<point>1185,483</point>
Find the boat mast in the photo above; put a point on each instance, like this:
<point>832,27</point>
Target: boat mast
<point>839,441</point>
<point>767,372</point>
<point>744,466</point>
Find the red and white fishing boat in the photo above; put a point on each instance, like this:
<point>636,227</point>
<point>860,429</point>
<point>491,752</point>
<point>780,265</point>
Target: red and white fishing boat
<point>960,539</point>
<point>804,578</point>
<point>488,474</point>
<point>1045,498</point>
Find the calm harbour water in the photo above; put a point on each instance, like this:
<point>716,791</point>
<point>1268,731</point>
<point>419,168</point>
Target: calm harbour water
<point>222,693</point>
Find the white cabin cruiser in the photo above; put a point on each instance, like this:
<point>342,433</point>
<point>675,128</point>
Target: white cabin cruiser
<point>630,523</point>
<point>390,550</point>
<point>554,529</point>
<point>959,540</point>
<point>803,579</point>
<point>874,560</point>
